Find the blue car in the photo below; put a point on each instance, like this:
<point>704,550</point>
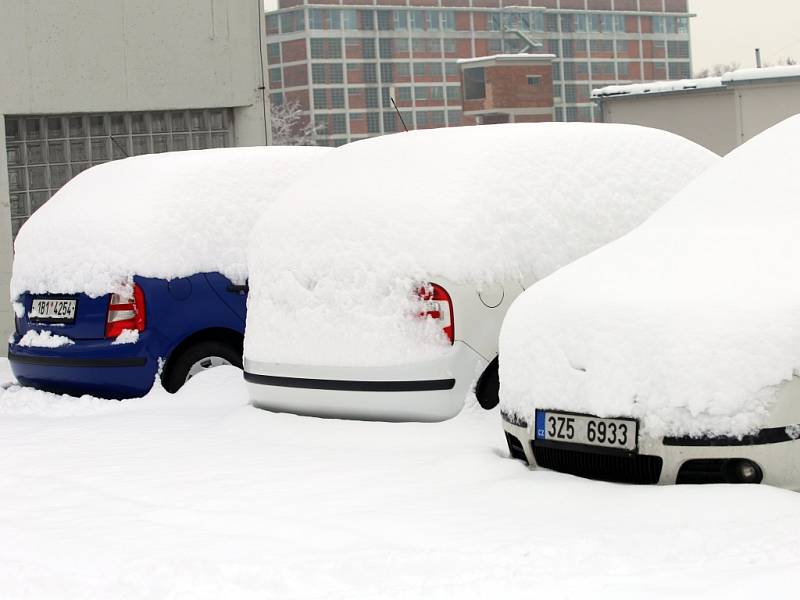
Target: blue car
<point>118,345</point>
<point>127,273</point>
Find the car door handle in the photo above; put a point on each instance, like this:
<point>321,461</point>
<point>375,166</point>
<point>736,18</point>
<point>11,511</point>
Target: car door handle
<point>238,289</point>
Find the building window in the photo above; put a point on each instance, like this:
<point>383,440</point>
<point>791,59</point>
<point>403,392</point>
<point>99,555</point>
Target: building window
<point>367,48</point>
<point>273,24</point>
<point>403,94</point>
<point>436,118</point>
<point>448,20</point>
<point>367,19</point>
<point>370,73</point>
<point>387,72</point>
<point>373,122</point>
<point>372,97</point>
<point>603,70</point>
<point>274,53</point>
<point>337,98</point>
<point>326,48</point>
<point>385,47</point>
<point>421,93</point>
<point>44,152</point>
<point>474,84</point>
<point>602,46</point>
<point>318,73</point>
<point>389,121</point>
<point>401,20</point>
<point>292,21</point>
<point>535,81</point>
<point>453,93</point>
<point>349,19</point>
<point>418,20</point>
<point>320,99</point>
<point>678,49</point>
<point>401,45</point>
<point>679,70</point>
<point>338,124</point>
<point>275,77</point>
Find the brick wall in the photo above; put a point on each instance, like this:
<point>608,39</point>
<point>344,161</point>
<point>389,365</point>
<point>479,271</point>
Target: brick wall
<point>507,87</point>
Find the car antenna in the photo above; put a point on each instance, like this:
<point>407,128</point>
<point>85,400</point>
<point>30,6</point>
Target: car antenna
<point>119,146</point>
<point>397,110</point>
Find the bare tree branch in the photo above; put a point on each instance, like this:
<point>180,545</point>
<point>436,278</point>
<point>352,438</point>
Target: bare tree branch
<point>289,127</point>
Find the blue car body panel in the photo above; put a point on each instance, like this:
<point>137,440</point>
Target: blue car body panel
<point>174,311</point>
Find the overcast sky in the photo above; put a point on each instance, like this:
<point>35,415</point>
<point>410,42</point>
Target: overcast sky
<point>727,31</point>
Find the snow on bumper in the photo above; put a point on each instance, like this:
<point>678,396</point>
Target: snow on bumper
<point>432,390</point>
<point>96,367</point>
<point>773,449</point>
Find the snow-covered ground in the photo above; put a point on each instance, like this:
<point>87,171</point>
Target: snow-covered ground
<point>200,495</point>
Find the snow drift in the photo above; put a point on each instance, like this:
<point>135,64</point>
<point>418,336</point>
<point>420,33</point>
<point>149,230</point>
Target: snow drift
<point>159,215</point>
<point>334,264</point>
<point>689,322</point>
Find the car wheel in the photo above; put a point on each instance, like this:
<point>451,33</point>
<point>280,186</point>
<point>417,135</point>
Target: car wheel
<point>196,359</point>
<point>487,390</point>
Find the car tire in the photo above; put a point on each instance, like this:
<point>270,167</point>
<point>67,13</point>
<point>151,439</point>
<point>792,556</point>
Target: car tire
<point>487,390</point>
<point>179,368</point>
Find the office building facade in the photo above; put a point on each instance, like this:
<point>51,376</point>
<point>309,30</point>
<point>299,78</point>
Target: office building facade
<point>85,83</point>
<point>341,60</point>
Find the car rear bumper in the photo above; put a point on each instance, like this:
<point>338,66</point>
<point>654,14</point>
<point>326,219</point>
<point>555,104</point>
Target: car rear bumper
<point>94,367</point>
<point>775,452</point>
<point>432,390</point>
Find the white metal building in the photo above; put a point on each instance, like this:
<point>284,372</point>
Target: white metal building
<point>719,113</point>
<point>83,82</point>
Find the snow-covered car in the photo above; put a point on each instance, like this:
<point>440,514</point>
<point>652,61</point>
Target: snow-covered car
<point>379,283</point>
<point>672,355</point>
<point>138,267</point>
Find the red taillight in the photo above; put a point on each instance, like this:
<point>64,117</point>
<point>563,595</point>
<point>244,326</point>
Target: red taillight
<point>438,306</point>
<point>125,312</point>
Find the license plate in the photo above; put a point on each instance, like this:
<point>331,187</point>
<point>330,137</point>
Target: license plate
<point>53,310</point>
<point>618,434</point>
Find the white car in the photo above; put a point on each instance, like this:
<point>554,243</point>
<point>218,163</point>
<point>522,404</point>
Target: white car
<point>671,355</point>
<point>378,284</point>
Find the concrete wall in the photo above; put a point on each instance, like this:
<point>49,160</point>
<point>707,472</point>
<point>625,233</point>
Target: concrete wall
<point>719,119</point>
<point>6,254</point>
<point>762,105</point>
<point>60,56</point>
<point>706,117</point>
<point>63,56</point>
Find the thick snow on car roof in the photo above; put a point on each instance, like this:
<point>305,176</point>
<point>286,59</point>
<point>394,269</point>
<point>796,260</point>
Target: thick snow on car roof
<point>689,322</point>
<point>158,215</point>
<point>333,262</point>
